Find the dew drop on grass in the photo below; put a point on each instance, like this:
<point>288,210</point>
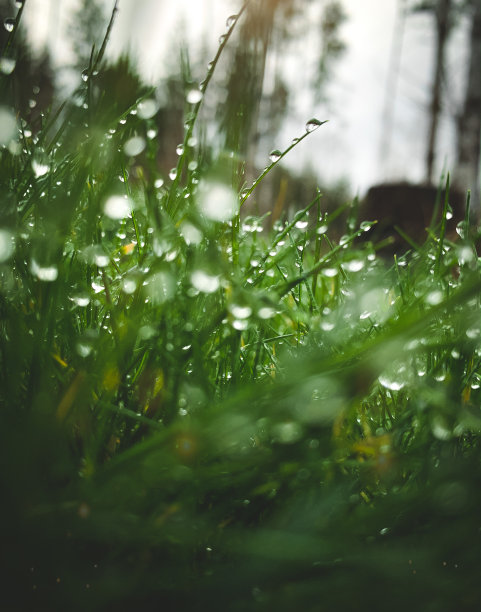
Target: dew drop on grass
<point>118,207</point>
<point>179,149</point>
<point>85,75</point>
<point>7,65</point>
<point>434,297</point>
<point>231,20</point>
<point>287,433</point>
<point>275,155</point>
<point>240,312</point>
<point>9,24</point>
<point>129,285</point>
<point>194,96</point>
<point>354,265</point>
<point>440,428</point>
<point>461,229</point>
<point>204,282</point>
<point>313,124</point>
<point>190,233</point>
<point>81,299</point>
<point>217,201</point>
<point>40,167</point>
<point>7,245</point>
<point>47,274</point>
<point>393,380</point>
<point>322,229</point>
<point>266,312</point>
<point>146,109</point>
<point>160,287</point>
<point>158,183</point>
<point>240,324</point>
<point>19,3</point>
<point>301,224</point>
<point>83,349</point>
<point>330,272</point>
<point>173,174</point>
<point>365,226</point>
<point>134,146</point>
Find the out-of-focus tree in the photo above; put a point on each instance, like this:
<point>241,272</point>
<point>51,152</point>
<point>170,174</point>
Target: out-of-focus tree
<point>447,15</point>
<point>467,172</point>
<point>87,28</point>
<point>249,111</point>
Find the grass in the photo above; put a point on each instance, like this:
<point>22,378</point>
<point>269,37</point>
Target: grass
<point>197,413</point>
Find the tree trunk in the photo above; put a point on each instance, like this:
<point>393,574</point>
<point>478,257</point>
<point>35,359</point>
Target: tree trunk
<point>466,173</point>
<point>442,15</point>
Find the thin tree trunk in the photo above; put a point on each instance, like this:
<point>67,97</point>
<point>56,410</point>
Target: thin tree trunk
<point>466,173</point>
<point>442,16</point>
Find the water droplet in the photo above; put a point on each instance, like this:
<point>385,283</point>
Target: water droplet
<point>180,149</point>
<point>440,428</point>
<point>151,134</point>
<point>330,272</point>
<point>40,167</point>
<point>146,109</point>
<point>461,229</point>
<point>313,124</point>
<point>158,183</point>
<point>160,287</point>
<point>217,201</point>
<point>394,378</point>
<point>190,233</point>
<point>231,21</point>
<point>222,39</point>
<point>204,282</point>
<point>81,299</point>
<point>301,224</point>
<point>44,273</point>
<point>266,312</point>
<point>83,349</point>
<point>287,433</point>
<point>322,229</point>
<point>275,155</point>
<point>19,3</point>
<point>194,96</point>
<point>173,174</point>
<point>465,255</point>
<point>7,65</point>
<point>355,265</point>
<point>134,146</point>
<point>434,297</point>
<point>240,312</point>
<point>129,285</point>
<point>9,24</point>
<point>85,75</point>
<point>473,332</point>
<point>118,207</point>
<point>7,245</point>
<point>365,226</point>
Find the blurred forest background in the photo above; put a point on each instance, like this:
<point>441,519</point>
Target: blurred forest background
<point>398,81</point>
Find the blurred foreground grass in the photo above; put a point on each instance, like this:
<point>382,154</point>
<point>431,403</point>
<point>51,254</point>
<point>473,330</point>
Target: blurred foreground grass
<point>200,414</point>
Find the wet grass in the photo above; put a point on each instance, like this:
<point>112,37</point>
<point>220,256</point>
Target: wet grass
<point>198,413</point>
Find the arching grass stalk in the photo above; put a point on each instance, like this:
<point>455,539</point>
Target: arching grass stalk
<point>311,125</point>
<point>196,108</point>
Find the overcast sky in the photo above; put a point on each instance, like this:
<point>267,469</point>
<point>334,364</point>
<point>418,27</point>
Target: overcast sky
<point>349,145</point>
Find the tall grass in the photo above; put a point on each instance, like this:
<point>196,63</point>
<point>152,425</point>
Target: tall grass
<point>197,413</point>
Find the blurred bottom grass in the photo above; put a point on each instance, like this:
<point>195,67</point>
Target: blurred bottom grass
<point>321,488</point>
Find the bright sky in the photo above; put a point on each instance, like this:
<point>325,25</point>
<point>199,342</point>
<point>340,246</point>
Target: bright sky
<point>349,145</point>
